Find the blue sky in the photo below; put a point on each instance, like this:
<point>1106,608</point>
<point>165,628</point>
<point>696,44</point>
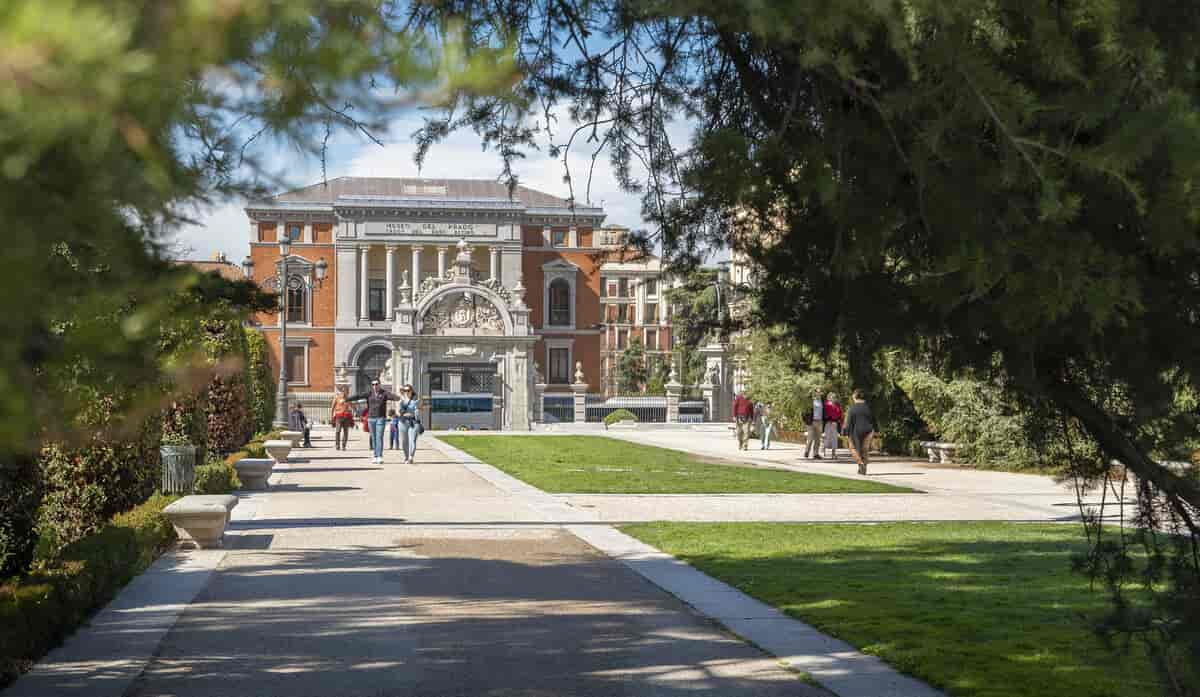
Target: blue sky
<point>224,227</point>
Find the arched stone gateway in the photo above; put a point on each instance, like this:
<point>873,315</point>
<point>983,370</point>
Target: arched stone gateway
<point>466,345</point>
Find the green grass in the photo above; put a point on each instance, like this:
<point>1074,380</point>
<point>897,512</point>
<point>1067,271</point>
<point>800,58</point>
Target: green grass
<point>599,465</point>
<point>977,609</point>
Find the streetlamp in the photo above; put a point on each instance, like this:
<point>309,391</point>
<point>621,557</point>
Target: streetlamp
<point>281,398</point>
<point>722,269</point>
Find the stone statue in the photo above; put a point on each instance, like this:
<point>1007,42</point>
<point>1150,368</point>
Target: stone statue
<point>578,372</point>
<point>537,371</point>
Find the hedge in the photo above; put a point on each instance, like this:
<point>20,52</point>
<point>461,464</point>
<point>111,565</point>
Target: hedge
<point>86,484</point>
<point>215,477</point>
<point>228,404</point>
<point>38,610</point>
<point>262,382</point>
<point>20,496</point>
<point>619,415</point>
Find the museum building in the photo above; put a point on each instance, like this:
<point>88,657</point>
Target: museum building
<point>469,293</point>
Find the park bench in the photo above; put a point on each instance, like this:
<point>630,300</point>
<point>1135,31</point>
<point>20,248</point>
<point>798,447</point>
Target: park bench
<point>254,471</point>
<point>200,520</point>
<point>940,452</point>
<point>278,449</point>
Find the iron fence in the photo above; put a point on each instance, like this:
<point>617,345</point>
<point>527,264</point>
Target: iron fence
<point>691,411</point>
<point>316,405</point>
<point>558,409</point>
<point>646,409</point>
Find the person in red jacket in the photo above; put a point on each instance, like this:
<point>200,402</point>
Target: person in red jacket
<point>833,423</point>
<point>743,414</point>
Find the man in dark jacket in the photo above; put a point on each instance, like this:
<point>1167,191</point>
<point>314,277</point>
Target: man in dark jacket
<point>377,399</point>
<point>859,427</point>
<point>297,421</point>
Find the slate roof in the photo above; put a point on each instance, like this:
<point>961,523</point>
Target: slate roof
<point>423,189</point>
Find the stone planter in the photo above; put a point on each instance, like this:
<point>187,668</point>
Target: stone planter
<point>278,449</point>
<point>200,520</point>
<point>294,436</point>
<point>943,453</point>
<point>178,468</point>
<point>254,472</point>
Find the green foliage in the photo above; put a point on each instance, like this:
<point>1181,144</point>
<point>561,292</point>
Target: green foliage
<point>20,496</point>
<point>619,415</point>
<point>262,381</point>
<point>40,609</point>
<point>185,422</point>
<point>216,477</point>
<point>785,373</point>
<point>989,428</point>
<point>86,483</point>
<point>631,368</point>
<point>229,421</point>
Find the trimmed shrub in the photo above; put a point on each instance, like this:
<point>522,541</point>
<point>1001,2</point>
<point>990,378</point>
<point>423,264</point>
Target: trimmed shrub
<point>216,477</point>
<point>87,484</point>
<point>619,415</point>
<point>20,496</point>
<point>228,404</point>
<point>38,610</point>
<point>262,382</point>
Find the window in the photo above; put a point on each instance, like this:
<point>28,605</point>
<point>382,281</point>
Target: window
<point>437,380</point>
<point>296,301</point>
<point>623,287</point>
<point>560,303</point>
<point>297,365</point>
<point>651,313</point>
<point>622,314</point>
<point>295,232</point>
<point>622,339</point>
<point>612,289</point>
<point>560,366</point>
<point>558,238</point>
<point>376,295</point>
<point>651,287</point>
<point>652,340</point>
<point>603,287</point>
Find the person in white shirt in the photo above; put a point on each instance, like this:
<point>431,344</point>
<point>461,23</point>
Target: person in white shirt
<point>816,427</point>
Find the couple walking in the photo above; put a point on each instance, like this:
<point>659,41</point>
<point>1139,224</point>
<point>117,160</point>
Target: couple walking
<point>377,399</point>
<point>824,422</point>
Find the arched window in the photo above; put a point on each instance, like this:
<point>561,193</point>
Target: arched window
<point>296,299</point>
<point>371,363</point>
<point>560,303</point>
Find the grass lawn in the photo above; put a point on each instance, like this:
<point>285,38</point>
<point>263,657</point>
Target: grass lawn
<point>977,609</point>
<point>599,465</point>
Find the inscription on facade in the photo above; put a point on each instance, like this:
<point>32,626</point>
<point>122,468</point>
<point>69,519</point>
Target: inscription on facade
<point>433,229</point>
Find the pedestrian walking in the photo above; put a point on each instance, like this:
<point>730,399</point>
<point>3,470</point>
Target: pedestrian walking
<point>814,418</point>
<point>743,414</point>
<point>833,423</point>
<point>410,422</point>
<point>766,425</point>
<point>297,421</point>
<point>393,429</point>
<point>376,415</point>
<point>342,418</point>
<point>859,427</point>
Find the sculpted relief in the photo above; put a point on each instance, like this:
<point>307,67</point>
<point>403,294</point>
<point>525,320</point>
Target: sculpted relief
<point>462,314</point>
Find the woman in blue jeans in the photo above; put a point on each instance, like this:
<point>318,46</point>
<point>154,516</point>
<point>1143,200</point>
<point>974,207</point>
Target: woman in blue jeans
<point>410,424</point>
<point>377,399</point>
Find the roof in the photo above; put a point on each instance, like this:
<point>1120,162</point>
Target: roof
<point>423,189</point>
<point>228,270</point>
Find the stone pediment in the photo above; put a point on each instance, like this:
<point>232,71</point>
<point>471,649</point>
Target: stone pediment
<point>462,314</point>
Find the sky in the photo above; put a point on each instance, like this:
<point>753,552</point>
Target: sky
<point>225,228</point>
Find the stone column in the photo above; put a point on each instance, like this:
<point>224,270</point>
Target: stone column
<point>364,286</point>
<point>389,307</point>
<point>674,391</point>
<point>494,263</point>
<point>539,392</point>
<point>416,268</point>
<point>347,285</point>
<point>580,388</point>
<point>441,250</point>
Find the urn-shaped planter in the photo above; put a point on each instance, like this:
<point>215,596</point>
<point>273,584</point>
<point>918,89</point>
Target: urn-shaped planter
<point>278,449</point>
<point>294,436</point>
<point>178,468</point>
<point>254,472</point>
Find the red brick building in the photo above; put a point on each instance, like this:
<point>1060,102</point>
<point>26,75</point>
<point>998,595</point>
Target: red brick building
<point>451,285</point>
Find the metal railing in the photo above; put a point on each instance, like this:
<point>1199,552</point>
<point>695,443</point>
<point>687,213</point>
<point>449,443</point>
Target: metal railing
<point>691,411</point>
<point>646,409</point>
<point>558,409</point>
<point>316,405</point>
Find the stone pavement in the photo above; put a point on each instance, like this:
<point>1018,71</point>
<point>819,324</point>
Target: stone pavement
<point>348,578</point>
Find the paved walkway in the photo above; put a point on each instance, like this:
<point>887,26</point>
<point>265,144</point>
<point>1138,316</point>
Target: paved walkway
<point>352,579</point>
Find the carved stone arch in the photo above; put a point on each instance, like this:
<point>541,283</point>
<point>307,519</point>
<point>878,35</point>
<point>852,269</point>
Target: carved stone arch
<point>455,309</point>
